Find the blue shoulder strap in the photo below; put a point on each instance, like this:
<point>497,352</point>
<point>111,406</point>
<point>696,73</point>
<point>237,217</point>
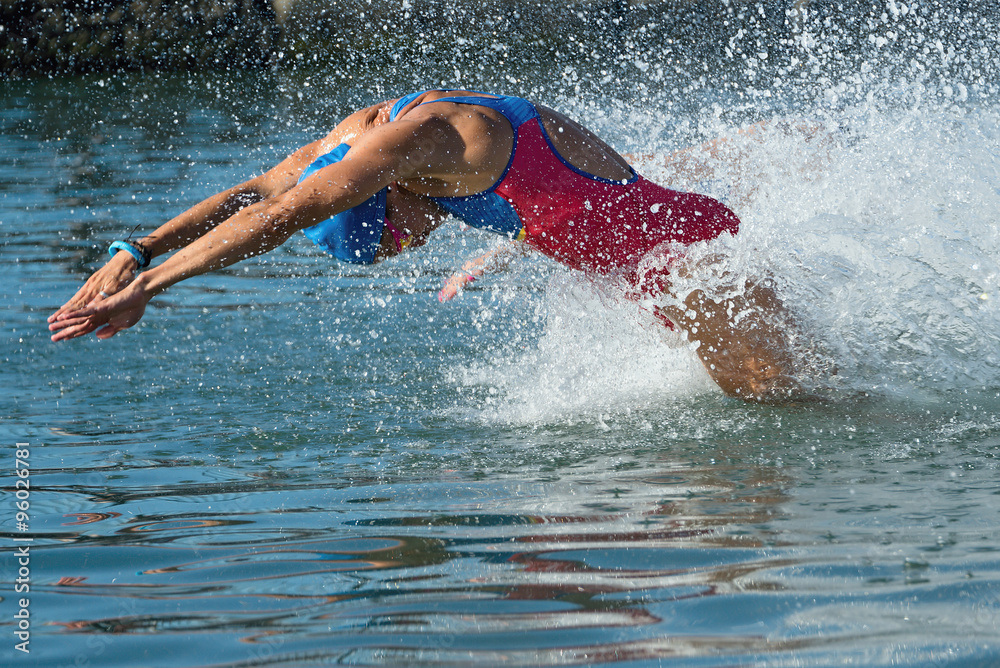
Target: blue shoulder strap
<point>517,110</point>
<point>354,235</point>
<point>402,103</point>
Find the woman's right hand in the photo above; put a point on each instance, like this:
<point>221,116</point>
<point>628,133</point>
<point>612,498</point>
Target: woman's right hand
<point>454,285</point>
<point>491,261</point>
<point>110,279</point>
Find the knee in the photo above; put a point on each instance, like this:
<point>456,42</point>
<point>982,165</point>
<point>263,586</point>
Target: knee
<point>752,377</point>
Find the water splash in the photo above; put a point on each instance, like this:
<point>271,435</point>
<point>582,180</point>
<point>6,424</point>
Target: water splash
<point>598,353</point>
<point>881,237</point>
<point>891,257</point>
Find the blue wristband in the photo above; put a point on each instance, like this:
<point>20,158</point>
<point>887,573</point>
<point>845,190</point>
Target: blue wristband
<point>141,258</point>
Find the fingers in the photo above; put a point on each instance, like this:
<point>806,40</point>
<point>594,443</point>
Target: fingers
<point>69,309</point>
<point>72,323</point>
<point>72,328</point>
<point>89,295</point>
<point>106,317</point>
<point>84,297</point>
<point>447,292</point>
<point>76,318</point>
<point>74,304</point>
<point>452,287</point>
<point>110,279</point>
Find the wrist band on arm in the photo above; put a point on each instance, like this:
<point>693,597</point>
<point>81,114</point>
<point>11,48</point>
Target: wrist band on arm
<point>136,250</point>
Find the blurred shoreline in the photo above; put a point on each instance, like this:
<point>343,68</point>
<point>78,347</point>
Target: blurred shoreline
<point>620,47</point>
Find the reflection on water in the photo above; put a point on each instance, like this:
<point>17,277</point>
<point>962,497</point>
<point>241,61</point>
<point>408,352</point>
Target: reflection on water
<point>750,551</point>
<point>441,580</point>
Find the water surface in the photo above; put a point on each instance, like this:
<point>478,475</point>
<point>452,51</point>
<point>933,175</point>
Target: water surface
<point>294,461</point>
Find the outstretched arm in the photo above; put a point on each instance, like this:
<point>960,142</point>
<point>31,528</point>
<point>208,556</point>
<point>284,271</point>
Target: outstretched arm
<point>206,215</point>
<point>122,268</point>
<point>252,231</point>
<point>379,158</point>
<point>496,260</point>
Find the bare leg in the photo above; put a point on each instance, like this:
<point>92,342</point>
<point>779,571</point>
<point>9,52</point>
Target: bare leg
<point>741,342</point>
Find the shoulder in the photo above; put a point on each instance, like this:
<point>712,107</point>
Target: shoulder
<point>465,128</point>
<point>413,144</point>
<point>434,123</point>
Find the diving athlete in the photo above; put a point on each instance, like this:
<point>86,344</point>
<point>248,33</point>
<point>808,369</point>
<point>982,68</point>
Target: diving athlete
<point>386,177</point>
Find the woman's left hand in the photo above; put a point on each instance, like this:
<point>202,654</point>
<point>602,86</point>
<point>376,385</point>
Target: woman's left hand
<point>114,276</point>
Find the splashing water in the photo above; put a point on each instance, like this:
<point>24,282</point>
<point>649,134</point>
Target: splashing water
<point>598,352</point>
<point>879,230</point>
<point>891,257</point>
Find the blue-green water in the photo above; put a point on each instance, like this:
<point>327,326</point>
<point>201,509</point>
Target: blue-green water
<point>295,462</point>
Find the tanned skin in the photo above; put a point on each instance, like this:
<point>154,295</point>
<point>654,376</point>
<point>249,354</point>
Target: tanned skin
<point>430,150</point>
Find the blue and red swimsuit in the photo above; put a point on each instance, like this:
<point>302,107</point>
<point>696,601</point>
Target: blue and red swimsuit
<point>584,221</point>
